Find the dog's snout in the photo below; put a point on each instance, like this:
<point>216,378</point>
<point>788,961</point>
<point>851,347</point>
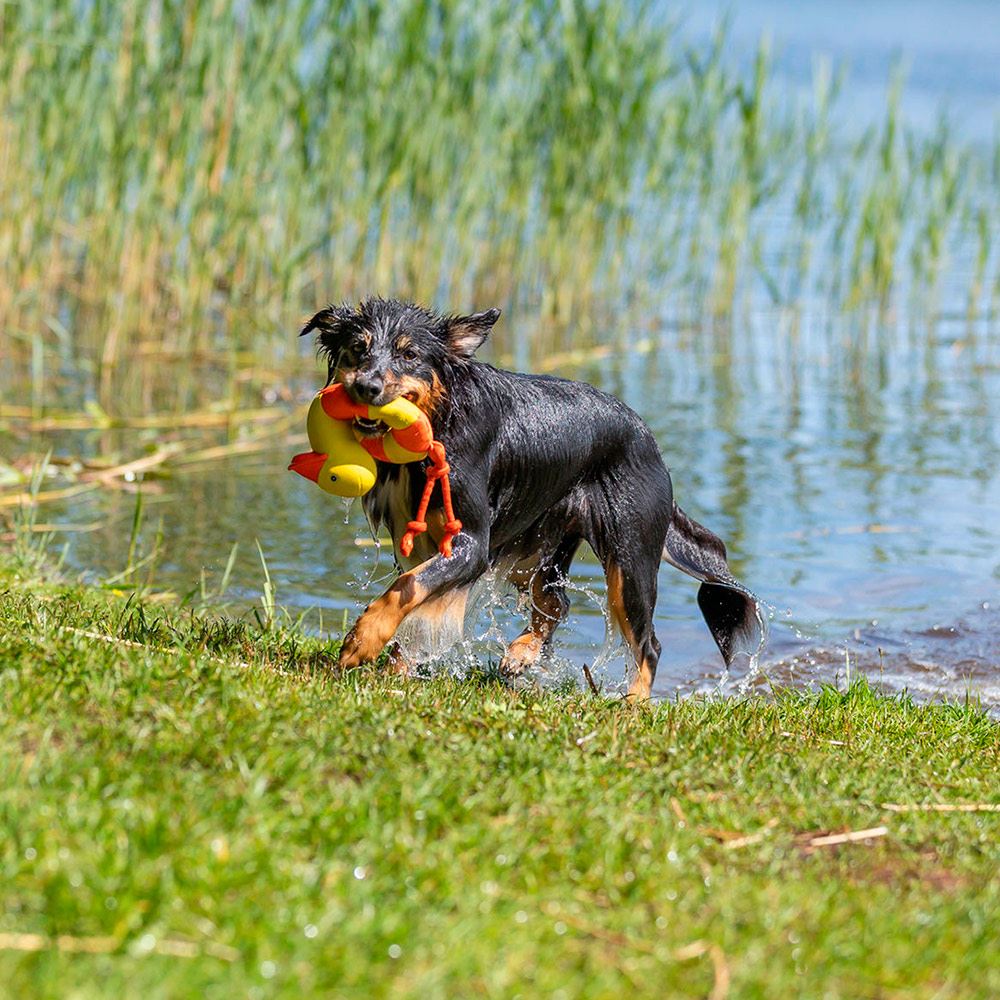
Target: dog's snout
<point>368,387</point>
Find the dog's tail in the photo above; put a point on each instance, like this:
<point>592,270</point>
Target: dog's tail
<point>731,611</point>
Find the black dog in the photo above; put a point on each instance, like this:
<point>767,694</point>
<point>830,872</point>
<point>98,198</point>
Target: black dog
<point>539,464</point>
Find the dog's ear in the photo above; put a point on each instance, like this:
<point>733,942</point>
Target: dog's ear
<point>467,333</point>
<point>333,324</point>
<point>328,319</point>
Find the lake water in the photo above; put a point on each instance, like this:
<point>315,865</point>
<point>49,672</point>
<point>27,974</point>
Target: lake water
<point>854,475</point>
<point>948,52</point>
<point>850,466</point>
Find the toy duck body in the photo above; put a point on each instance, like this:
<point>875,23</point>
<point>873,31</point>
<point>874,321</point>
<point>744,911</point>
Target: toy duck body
<point>342,460</point>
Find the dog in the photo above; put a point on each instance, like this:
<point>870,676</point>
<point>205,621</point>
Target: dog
<point>538,465</point>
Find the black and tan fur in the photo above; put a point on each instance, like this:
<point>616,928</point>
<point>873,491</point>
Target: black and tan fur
<point>538,465</point>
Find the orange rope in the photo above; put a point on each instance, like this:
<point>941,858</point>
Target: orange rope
<point>438,469</point>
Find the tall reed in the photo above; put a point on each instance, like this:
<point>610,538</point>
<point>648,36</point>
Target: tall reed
<point>191,175</point>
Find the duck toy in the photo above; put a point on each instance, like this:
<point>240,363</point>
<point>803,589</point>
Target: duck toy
<point>342,460</point>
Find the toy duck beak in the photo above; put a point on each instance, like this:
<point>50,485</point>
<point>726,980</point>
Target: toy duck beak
<point>308,464</point>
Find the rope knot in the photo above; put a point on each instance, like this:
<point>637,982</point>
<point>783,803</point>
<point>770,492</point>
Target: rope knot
<point>437,471</point>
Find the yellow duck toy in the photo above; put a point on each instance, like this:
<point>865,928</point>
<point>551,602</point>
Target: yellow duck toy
<point>342,461</point>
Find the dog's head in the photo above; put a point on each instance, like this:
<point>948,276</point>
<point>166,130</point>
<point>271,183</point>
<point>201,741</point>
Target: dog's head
<point>385,348</point>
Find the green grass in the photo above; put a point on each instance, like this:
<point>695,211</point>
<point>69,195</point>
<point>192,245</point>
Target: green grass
<point>206,806</point>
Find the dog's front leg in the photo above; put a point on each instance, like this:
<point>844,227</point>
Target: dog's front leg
<point>377,625</point>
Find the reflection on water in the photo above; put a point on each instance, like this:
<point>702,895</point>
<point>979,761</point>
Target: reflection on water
<point>853,475</point>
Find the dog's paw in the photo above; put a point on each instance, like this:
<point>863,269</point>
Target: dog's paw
<point>397,663</point>
<point>357,649</point>
<point>348,658</point>
<point>522,653</point>
<point>639,692</point>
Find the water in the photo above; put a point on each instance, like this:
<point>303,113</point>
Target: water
<point>949,53</point>
<point>850,463</point>
<point>852,473</point>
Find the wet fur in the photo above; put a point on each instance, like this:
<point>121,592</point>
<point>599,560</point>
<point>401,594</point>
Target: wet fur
<point>538,465</point>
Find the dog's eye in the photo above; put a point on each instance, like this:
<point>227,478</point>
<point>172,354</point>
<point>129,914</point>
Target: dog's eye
<point>354,352</point>
<point>409,354</point>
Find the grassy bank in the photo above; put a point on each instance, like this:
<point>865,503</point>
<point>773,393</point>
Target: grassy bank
<point>194,807</point>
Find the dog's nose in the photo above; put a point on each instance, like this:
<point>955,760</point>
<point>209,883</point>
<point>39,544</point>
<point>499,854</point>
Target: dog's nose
<point>368,387</point>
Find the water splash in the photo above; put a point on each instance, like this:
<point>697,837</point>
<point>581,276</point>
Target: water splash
<point>611,650</point>
<point>474,635</point>
<point>753,666</point>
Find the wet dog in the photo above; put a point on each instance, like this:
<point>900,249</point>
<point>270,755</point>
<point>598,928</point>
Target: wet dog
<point>538,465</point>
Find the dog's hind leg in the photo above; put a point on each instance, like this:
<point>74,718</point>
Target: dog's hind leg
<point>545,587</point>
<point>631,600</point>
<point>629,516</point>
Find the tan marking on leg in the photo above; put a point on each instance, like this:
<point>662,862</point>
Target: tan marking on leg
<point>522,574</point>
<point>547,610</point>
<point>381,618</point>
<point>641,688</point>
<point>641,685</point>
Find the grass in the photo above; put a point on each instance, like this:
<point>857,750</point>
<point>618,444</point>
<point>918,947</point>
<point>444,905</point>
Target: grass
<point>196,806</point>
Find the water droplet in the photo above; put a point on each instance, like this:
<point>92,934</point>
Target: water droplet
<point>360,872</point>
<point>395,951</point>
